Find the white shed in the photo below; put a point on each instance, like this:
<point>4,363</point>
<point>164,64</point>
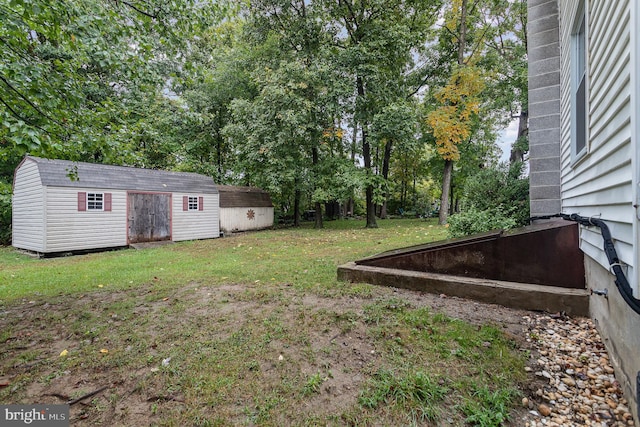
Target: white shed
<point>244,208</point>
<point>63,206</point>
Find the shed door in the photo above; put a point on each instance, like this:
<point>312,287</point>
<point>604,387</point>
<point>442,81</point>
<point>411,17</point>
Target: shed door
<point>149,217</point>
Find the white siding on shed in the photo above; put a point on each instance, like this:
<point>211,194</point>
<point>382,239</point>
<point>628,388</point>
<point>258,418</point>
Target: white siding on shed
<point>600,183</point>
<point>232,219</point>
<point>68,229</point>
<point>28,209</point>
<point>190,225</point>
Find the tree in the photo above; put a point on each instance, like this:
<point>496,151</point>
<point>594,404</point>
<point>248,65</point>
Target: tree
<point>506,57</point>
<point>376,41</point>
<point>458,100</point>
<point>70,70</point>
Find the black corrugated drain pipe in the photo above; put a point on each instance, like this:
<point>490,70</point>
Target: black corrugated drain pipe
<point>614,262</point>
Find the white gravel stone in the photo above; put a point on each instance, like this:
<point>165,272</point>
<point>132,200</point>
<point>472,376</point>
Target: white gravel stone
<point>582,388</point>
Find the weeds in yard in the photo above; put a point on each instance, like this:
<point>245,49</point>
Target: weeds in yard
<point>415,393</point>
<point>313,384</point>
<point>487,408</point>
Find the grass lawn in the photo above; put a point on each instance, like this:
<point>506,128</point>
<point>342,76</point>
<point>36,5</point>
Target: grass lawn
<point>252,329</point>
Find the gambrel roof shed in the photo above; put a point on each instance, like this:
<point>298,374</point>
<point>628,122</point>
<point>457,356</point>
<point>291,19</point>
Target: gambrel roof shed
<point>61,206</point>
<point>65,173</point>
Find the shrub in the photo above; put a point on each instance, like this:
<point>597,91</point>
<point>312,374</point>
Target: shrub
<point>474,221</point>
<point>497,198</point>
<point>5,213</point>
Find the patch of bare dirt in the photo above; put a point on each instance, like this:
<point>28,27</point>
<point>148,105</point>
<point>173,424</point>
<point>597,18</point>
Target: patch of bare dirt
<point>137,329</point>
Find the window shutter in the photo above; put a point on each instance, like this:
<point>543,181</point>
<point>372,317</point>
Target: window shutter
<point>107,202</point>
<point>200,203</point>
<point>185,203</point>
<point>82,201</point>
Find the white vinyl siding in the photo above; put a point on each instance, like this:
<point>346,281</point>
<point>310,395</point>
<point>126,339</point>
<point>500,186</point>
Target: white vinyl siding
<point>237,219</point>
<point>69,229</point>
<point>600,183</point>
<point>28,209</point>
<point>195,224</point>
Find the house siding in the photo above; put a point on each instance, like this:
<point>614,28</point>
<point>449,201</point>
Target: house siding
<point>68,229</point>
<point>600,183</point>
<point>237,219</point>
<point>28,208</point>
<point>200,224</point>
<point>603,183</point>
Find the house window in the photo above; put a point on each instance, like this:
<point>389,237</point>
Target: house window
<point>193,203</point>
<point>95,201</point>
<point>579,99</point>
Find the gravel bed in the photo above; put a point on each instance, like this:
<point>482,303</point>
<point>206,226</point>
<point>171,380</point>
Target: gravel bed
<point>577,385</point>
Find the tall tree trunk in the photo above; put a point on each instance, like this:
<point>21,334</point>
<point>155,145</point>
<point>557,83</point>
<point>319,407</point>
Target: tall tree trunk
<point>366,155</point>
<point>517,153</point>
<point>386,160</point>
<point>371,208</point>
<point>296,207</point>
<point>318,205</point>
<point>446,186</point>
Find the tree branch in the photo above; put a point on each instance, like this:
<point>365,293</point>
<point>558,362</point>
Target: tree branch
<point>28,101</point>
<point>140,11</point>
<point>24,119</point>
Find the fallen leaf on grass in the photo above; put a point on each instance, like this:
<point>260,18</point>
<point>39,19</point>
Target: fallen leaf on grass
<point>64,352</point>
<point>104,351</point>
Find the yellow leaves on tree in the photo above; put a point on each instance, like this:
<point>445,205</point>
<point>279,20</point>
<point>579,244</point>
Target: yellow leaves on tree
<point>452,16</point>
<point>333,133</point>
<point>451,120</point>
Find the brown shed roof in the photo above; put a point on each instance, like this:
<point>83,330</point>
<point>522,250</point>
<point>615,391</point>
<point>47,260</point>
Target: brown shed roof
<point>232,196</point>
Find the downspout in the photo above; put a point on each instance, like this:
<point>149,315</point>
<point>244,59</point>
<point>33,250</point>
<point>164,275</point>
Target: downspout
<point>612,256</point>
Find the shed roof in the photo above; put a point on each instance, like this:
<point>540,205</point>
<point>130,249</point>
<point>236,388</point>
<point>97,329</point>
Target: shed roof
<point>232,196</point>
<point>56,173</point>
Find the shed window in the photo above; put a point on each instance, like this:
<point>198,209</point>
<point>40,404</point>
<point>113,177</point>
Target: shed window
<point>192,203</point>
<point>95,201</point>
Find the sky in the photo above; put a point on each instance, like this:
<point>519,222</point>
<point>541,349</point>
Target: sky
<point>506,138</point>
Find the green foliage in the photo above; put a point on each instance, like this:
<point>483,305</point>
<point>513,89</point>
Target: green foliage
<point>497,198</point>
<point>473,221</point>
<point>71,70</point>
<point>5,213</point>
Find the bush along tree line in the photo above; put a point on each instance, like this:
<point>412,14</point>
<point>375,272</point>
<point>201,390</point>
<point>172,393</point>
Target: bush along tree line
<point>340,107</point>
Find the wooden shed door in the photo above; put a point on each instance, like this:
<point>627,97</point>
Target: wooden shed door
<point>149,217</point>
